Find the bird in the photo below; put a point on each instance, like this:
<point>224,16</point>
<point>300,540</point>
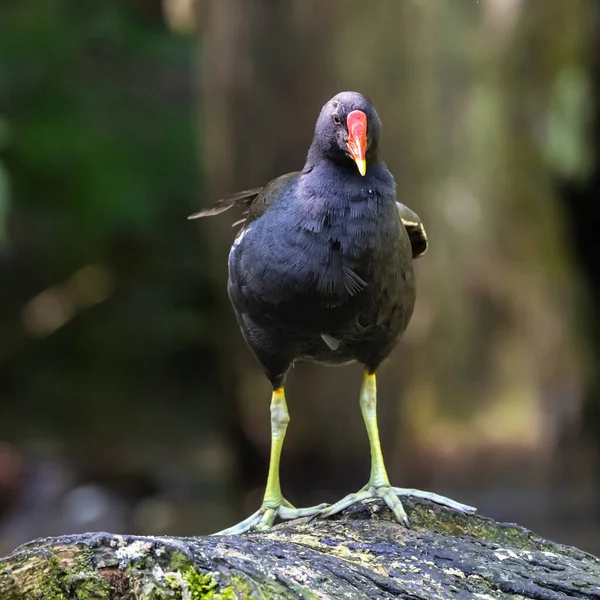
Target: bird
<point>321,270</point>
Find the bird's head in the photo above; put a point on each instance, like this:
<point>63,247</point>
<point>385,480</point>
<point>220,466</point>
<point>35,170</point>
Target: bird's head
<point>347,131</point>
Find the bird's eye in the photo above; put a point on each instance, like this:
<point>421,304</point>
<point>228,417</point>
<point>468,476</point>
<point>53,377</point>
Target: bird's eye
<point>336,120</point>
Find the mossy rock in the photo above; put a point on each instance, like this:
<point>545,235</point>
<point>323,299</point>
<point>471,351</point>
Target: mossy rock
<point>362,553</point>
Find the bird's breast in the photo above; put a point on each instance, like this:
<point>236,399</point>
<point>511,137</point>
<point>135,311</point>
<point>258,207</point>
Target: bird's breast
<point>315,257</point>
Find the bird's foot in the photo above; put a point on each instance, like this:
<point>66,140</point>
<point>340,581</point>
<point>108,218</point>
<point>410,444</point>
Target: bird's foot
<point>390,495</point>
<point>265,516</point>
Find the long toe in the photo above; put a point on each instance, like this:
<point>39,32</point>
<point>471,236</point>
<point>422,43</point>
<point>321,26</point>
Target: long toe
<point>286,513</point>
<point>263,519</point>
<point>246,525</point>
<point>384,492</point>
<point>392,500</point>
<point>267,520</point>
<point>344,503</point>
<point>432,497</point>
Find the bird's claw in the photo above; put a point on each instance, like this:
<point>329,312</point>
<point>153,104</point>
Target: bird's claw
<point>264,517</point>
<point>385,492</point>
<point>390,496</point>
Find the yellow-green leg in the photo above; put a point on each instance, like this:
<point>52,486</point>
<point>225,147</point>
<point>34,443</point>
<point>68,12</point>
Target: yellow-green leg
<point>368,407</point>
<point>378,485</point>
<point>274,504</point>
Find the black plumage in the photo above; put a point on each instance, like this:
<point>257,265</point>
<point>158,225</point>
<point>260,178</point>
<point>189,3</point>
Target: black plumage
<point>322,267</point>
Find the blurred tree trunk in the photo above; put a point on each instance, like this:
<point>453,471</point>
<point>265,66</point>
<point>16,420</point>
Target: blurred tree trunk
<point>480,104</point>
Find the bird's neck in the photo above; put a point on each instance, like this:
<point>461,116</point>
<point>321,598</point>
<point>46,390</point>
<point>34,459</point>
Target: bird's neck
<point>324,177</point>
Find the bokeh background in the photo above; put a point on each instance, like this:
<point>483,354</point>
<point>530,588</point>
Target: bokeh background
<point>128,400</point>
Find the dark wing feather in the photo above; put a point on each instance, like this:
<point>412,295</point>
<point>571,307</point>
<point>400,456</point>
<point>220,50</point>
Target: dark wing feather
<point>414,227</point>
<point>244,198</point>
<point>256,201</point>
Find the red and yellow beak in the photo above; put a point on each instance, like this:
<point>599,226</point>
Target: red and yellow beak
<point>357,138</point>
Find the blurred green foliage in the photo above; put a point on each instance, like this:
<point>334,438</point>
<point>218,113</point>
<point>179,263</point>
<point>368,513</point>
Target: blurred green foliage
<point>103,304</point>
<point>101,117</point>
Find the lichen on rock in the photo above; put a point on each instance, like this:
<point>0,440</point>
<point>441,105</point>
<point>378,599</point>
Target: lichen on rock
<point>362,553</point>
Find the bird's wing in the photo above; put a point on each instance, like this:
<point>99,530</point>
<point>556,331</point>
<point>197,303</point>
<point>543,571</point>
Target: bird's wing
<point>414,227</point>
<point>255,201</point>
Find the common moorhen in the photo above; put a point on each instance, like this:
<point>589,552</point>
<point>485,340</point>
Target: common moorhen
<point>322,270</point>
